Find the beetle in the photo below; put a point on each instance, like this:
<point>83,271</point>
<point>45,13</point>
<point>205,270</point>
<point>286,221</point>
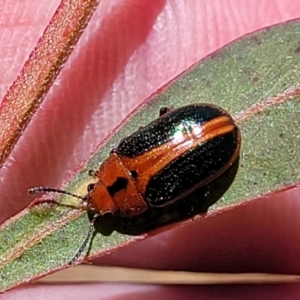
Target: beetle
<point>162,165</point>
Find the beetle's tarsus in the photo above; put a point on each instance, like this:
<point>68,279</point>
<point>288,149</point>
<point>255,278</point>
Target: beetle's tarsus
<point>83,245</point>
<point>163,110</point>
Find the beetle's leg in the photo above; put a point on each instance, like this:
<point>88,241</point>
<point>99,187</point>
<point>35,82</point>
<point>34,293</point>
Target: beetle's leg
<point>163,110</point>
<point>93,173</point>
<point>84,243</point>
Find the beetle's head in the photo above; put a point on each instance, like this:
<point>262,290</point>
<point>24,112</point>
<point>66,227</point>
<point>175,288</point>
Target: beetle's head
<point>99,201</point>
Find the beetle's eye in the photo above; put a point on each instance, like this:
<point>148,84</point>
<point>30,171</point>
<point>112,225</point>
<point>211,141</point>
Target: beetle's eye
<point>134,173</point>
<point>90,187</point>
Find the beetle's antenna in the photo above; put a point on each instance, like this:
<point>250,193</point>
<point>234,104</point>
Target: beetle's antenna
<point>86,240</point>
<point>41,189</point>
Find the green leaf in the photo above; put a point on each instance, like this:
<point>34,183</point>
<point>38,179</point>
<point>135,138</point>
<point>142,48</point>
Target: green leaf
<point>255,78</point>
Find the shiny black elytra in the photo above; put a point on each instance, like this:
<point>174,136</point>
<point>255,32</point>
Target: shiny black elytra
<point>213,143</point>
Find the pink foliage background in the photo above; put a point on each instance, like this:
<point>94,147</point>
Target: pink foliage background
<point>129,50</point>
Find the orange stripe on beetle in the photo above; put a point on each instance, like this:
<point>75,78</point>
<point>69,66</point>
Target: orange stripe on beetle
<point>185,139</point>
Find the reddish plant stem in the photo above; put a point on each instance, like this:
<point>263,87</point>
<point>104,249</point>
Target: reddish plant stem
<point>265,104</point>
<point>39,72</point>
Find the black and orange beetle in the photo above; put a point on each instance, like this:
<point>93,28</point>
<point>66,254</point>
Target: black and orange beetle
<point>172,168</point>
